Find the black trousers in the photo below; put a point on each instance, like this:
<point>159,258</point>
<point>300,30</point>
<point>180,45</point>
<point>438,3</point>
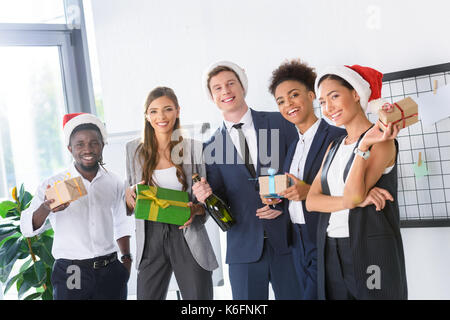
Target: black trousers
<point>166,252</point>
<point>340,283</point>
<point>73,280</point>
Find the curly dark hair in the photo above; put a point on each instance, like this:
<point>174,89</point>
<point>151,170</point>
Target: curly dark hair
<point>293,70</point>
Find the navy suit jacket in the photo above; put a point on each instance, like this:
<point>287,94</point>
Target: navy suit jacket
<point>325,134</point>
<point>231,181</point>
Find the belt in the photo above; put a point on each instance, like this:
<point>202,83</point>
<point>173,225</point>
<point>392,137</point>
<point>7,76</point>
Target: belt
<point>95,263</point>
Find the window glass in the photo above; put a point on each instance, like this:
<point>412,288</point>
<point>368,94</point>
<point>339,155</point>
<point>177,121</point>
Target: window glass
<point>32,11</point>
<point>32,105</point>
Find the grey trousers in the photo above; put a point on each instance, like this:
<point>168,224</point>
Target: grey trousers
<point>166,251</point>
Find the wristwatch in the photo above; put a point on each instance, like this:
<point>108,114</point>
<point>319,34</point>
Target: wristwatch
<point>126,256</point>
<point>364,154</point>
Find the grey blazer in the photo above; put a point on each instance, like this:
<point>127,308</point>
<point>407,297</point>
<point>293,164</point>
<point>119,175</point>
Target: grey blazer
<point>195,235</point>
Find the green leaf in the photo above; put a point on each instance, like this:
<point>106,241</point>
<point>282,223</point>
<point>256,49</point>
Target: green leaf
<point>22,287</point>
<point>33,296</point>
<point>6,206</point>
<point>7,230</point>
<point>10,250</point>
<point>45,251</point>
<point>25,265</point>
<point>48,294</point>
<point>21,192</point>
<point>5,270</point>
<point>11,282</point>
<point>25,203</point>
<point>49,233</point>
<point>36,274</point>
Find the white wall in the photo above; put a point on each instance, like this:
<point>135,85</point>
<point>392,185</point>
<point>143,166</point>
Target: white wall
<point>142,44</point>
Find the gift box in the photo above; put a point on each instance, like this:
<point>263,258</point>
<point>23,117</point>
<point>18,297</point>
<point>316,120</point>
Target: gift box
<point>404,112</point>
<point>65,191</point>
<point>162,205</point>
<point>270,186</point>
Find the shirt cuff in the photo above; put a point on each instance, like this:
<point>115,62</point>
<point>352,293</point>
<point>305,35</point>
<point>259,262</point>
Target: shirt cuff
<point>26,225</point>
<point>124,228</point>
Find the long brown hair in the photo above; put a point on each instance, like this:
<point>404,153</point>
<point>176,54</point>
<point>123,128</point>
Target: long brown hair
<point>148,149</point>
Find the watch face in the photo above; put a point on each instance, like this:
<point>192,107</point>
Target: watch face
<point>365,155</point>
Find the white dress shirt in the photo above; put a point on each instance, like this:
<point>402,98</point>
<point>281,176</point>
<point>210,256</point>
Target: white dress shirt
<point>89,226</point>
<point>297,167</point>
<point>249,131</point>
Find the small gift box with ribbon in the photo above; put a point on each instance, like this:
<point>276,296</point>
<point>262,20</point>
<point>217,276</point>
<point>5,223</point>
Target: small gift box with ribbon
<point>67,190</point>
<point>271,185</point>
<point>162,205</point>
<point>404,112</point>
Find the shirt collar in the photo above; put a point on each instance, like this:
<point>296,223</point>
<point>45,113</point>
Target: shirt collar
<point>246,119</point>
<point>309,134</point>
<point>75,173</point>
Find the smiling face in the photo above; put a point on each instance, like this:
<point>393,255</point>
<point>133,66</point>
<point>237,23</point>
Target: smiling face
<point>227,92</point>
<point>338,103</point>
<point>295,102</point>
<point>86,147</point>
<point>162,114</point>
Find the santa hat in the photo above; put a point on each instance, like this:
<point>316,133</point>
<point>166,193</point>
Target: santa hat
<point>366,81</point>
<point>238,70</point>
<point>73,120</point>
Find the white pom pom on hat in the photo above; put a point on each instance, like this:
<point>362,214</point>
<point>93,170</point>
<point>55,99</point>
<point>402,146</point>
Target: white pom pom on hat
<point>366,81</point>
<point>233,66</point>
<point>73,120</point>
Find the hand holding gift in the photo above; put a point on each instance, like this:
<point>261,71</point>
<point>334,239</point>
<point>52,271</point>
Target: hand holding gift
<point>64,192</point>
<point>298,191</point>
<point>375,135</point>
<point>404,113</point>
<point>271,186</point>
<point>46,205</point>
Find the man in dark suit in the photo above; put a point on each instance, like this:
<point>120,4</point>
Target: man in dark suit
<point>246,146</point>
<point>292,86</point>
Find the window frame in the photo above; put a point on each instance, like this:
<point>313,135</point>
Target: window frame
<point>73,51</point>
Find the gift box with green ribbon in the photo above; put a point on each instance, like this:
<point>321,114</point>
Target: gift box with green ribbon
<point>162,205</point>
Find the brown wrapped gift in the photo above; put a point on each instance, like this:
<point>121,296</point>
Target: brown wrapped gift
<point>65,191</point>
<point>270,189</point>
<point>404,112</point>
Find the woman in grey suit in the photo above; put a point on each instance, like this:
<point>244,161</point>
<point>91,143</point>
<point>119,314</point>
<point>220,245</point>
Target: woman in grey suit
<point>156,159</point>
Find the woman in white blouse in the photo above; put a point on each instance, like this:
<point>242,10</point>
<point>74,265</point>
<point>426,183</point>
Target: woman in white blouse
<point>360,251</point>
<point>162,249</point>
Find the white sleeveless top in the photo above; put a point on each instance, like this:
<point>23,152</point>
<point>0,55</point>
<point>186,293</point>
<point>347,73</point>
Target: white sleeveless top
<point>167,178</point>
<point>338,223</point>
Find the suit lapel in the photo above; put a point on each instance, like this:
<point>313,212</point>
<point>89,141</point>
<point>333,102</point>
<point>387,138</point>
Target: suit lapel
<point>316,145</point>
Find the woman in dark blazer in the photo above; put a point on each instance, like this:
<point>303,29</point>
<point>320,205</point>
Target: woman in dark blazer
<point>360,251</point>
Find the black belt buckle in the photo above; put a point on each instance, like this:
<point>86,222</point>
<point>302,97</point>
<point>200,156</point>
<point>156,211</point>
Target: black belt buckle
<point>104,262</point>
<point>100,264</point>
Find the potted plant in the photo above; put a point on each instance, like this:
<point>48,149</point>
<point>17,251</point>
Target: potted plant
<point>36,271</point>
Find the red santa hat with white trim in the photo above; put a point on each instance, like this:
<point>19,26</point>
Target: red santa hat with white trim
<point>73,120</point>
<point>366,81</point>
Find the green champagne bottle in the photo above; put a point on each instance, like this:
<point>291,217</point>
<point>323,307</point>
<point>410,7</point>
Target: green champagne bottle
<point>217,208</point>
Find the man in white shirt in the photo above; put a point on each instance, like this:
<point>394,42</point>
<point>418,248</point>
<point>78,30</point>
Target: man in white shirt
<point>86,264</point>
